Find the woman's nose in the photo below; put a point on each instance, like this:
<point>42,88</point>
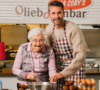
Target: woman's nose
<point>38,43</point>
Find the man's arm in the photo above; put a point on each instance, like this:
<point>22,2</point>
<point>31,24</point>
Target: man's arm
<point>79,53</point>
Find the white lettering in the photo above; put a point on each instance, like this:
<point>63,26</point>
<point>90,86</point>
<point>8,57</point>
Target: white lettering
<point>76,2</point>
<point>84,2</point>
<point>64,2</point>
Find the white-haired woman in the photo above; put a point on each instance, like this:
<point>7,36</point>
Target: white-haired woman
<point>34,54</point>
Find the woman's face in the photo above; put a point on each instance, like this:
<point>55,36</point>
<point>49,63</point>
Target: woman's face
<point>37,43</point>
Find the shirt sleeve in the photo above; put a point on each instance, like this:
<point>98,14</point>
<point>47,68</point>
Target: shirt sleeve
<point>79,53</point>
<point>51,64</point>
<point>17,65</point>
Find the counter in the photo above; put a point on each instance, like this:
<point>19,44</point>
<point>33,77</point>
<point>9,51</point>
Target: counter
<point>8,72</point>
<point>92,71</point>
<point>7,76</point>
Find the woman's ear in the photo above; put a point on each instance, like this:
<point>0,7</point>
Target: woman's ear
<point>30,39</point>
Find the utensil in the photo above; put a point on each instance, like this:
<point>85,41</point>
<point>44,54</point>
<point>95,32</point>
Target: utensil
<point>37,79</point>
<point>42,86</point>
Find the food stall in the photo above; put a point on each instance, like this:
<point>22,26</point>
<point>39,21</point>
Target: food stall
<point>23,15</point>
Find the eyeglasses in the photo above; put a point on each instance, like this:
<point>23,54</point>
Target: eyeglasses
<point>40,41</point>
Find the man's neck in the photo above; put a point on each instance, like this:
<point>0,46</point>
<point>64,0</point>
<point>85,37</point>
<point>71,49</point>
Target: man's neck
<point>59,26</point>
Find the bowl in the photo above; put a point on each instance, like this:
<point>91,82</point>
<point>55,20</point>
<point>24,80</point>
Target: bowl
<point>42,86</point>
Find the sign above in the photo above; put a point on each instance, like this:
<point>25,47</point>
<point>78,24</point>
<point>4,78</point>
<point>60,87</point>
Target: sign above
<point>74,9</point>
<point>36,11</point>
<point>75,4</point>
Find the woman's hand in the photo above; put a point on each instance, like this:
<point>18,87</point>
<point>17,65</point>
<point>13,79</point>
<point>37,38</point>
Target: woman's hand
<point>56,76</point>
<point>31,76</point>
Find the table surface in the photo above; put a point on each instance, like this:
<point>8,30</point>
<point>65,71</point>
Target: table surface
<point>88,72</point>
<point>92,71</point>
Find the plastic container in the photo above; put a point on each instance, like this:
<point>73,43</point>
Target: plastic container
<point>0,85</point>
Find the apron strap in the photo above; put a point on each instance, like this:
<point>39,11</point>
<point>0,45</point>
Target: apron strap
<point>64,29</point>
<point>65,37</point>
<point>53,30</point>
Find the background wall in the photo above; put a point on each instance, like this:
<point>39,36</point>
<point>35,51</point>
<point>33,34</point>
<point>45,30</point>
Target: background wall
<point>92,38</point>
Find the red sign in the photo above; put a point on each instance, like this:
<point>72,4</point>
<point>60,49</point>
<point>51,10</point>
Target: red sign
<point>74,4</point>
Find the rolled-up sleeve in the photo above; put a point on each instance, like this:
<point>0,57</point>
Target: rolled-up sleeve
<point>17,64</point>
<point>79,53</point>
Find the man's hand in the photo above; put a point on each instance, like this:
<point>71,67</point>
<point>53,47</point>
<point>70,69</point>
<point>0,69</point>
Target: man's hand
<point>56,76</point>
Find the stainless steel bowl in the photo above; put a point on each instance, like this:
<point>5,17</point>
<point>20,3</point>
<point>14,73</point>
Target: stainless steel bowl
<point>42,86</point>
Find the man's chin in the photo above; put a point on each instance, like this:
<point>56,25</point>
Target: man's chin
<point>57,23</point>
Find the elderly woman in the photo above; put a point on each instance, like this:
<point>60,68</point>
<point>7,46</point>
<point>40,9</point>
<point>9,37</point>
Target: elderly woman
<point>37,55</point>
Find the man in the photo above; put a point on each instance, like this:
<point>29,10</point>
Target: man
<point>68,44</point>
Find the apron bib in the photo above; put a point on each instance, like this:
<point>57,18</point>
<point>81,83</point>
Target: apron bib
<point>64,57</point>
<point>42,74</point>
<point>28,61</point>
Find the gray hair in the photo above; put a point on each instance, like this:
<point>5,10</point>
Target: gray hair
<point>37,31</point>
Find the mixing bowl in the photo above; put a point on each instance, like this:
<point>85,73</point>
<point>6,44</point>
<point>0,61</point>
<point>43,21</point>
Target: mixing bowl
<point>42,86</point>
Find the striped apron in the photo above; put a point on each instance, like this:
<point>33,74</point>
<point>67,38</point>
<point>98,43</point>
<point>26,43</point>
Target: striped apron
<point>64,57</point>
